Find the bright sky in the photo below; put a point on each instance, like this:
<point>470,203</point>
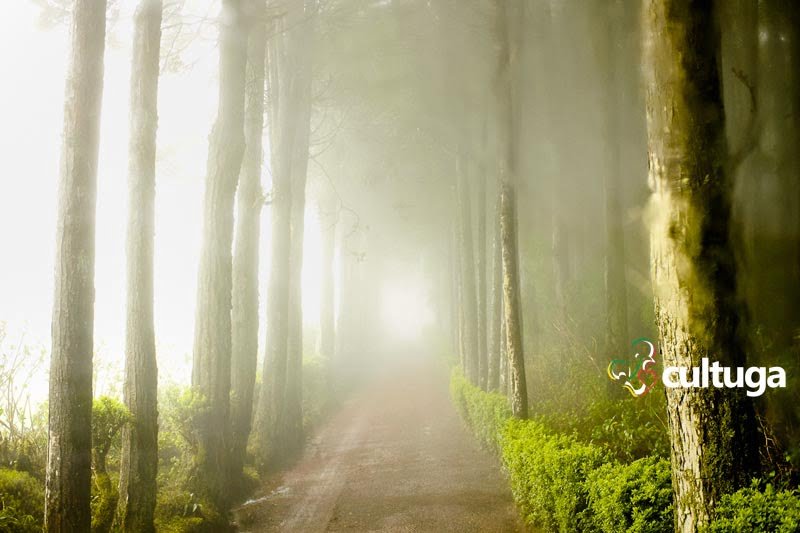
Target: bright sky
<point>33,61</point>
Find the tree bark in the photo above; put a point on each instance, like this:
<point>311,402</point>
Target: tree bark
<point>512,310</point>
<point>480,265</point>
<point>68,476</point>
<point>469,297</point>
<point>139,463</point>
<point>211,370</point>
<point>271,415</point>
<point>495,326</point>
<point>244,316</point>
<point>693,270</point>
<point>301,52</point>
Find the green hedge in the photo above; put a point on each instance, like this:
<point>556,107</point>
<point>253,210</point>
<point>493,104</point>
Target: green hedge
<point>756,509</point>
<point>561,482</point>
<point>549,474</point>
<point>484,413</point>
<point>634,497</point>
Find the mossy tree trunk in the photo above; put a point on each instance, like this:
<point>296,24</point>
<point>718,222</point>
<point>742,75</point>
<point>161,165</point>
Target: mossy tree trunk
<point>693,269</point>
<point>250,199</point>
<point>139,462</point>
<point>211,370</point>
<point>512,307</point>
<point>68,475</point>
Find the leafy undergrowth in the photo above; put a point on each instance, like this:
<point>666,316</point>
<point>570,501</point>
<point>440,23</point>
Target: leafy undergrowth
<point>595,472</point>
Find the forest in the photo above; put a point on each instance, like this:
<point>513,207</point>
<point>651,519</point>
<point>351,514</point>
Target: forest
<point>400,265</point>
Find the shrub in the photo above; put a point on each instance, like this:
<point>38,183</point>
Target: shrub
<point>484,413</point>
<point>548,475</point>
<point>634,497</point>
<point>21,502</point>
<point>754,509</point>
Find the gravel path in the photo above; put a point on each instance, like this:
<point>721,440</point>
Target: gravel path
<point>395,457</point>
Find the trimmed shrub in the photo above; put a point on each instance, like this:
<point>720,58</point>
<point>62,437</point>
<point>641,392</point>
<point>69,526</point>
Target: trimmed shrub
<point>634,497</point>
<point>754,509</point>
<point>484,413</point>
<point>21,502</point>
<point>563,470</point>
<point>548,475</point>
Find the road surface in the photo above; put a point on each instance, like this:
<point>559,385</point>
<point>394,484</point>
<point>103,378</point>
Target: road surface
<point>395,458</point>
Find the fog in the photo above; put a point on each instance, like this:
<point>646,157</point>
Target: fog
<point>480,191</point>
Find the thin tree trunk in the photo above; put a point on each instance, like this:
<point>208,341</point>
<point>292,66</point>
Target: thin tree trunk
<point>68,483</point>
<point>512,310</point>
<point>480,265</point>
<point>693,269</point>
<point>495,326</point>
<point>244,316</point>
<point>468,288</point>
<point>139,463</point>
<point>211,370</point>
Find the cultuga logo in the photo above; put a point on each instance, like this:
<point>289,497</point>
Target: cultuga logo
<point>638,376</point>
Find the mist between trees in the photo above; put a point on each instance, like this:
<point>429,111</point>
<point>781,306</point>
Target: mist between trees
<point>264,208</point>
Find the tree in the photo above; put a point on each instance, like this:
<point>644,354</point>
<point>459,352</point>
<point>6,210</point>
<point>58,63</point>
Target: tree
<point>693,267</point>
<point>614,257</point>
<point>512,307</point>
<point>244,317</point>
<point>286,75</point>
<point>495,354</point>
<point>480,279</point>
<point>68,482</point>
<point>301,59</point>
<point>469,296</point>
<point>211,369</point>
<point>139,463</point>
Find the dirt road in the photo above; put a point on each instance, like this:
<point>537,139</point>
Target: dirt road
<point>393,458</point>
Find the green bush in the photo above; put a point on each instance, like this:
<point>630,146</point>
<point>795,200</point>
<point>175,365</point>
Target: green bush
<point>21,502</point>
<point>754,509</point>
<point>632,498</point>
<point>562,467</point>
<point>548,475</point>
<point>484,413</point>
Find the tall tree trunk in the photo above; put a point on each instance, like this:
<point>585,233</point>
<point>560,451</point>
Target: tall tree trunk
<point>468,289</point>
<point>244,316</point>
<point>301,50</point>
<point>495,326</point>
<point>614,260</point>
<point>693,268</point>
<point>480,279</point>
<point>512,310</point>
<point>139,463</point>
<point>271,413</point>
<point>68,483</point>
<point>211,370</point>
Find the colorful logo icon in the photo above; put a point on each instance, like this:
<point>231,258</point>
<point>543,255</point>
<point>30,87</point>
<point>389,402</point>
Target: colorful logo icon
<point>638,376</point>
